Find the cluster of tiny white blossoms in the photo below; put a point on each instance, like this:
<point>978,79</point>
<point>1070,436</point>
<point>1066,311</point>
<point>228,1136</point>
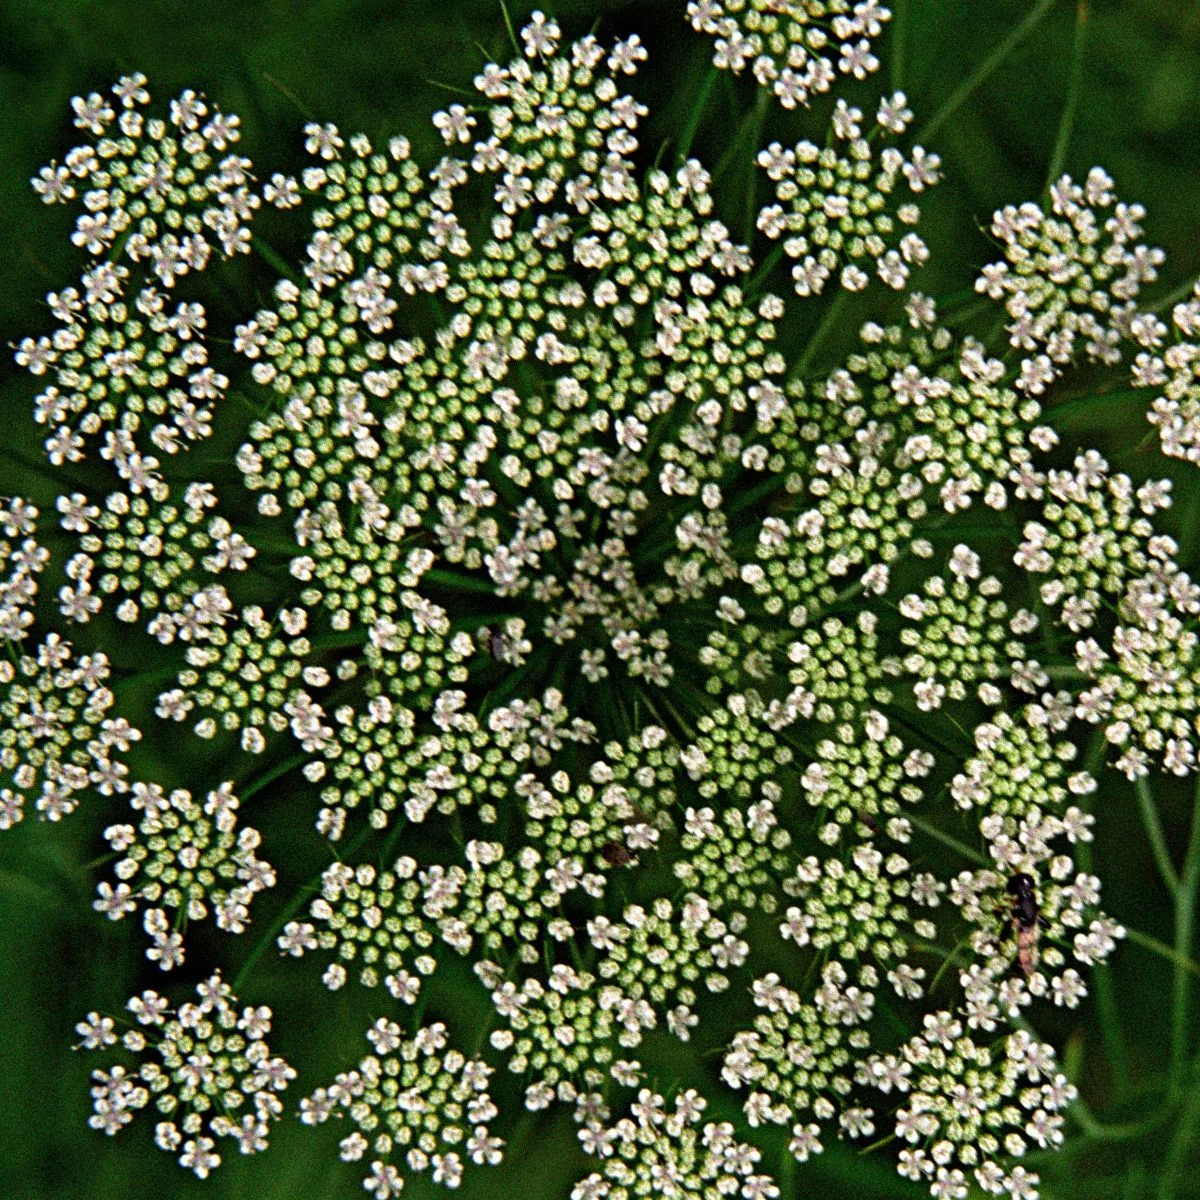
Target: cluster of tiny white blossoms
<point>1071,277</point>
<point>204,1068</point>
<point>795,48</point>
<point>1174,372</point>
<point>158,196</point>
<point>837,216</point>
<point>618,655</point>
<point>417,1099</point>
<point>656,1151</point>
<point>183,856</point>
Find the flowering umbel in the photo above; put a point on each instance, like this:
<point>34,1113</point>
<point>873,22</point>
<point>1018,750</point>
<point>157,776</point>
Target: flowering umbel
<point>621,655</point>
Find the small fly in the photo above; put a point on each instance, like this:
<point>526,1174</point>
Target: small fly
<point>1026,916</point>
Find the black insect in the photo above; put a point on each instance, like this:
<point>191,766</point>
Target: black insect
<point>1026,916</point>
<point>616,855</point>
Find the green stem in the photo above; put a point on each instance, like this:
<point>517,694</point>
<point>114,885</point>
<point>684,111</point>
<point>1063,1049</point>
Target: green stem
<point>832,315</point>
<point>878,1144</point>
<point>273,257</point>
<point>687,136</point>
<point>947,840</point>
<point>747,130</point>
<point>1185,918</point>
<point>947,961</point>
<point>456,582</point>
<point>1078,405</point>
<point>1106,1001</point>
<point>1181,1143</point>
<point>1126,1131</point>
<point>1062,673</point>
<point>1067,122</point>
<point>985,68</point>
<point>1154,834</point>
<point>293,906</point>
<point>754,494</point>
<point>899,39</point>
<point>301,107</point>
<point>276,772</point>
<point>1152,944</point>
<point>512,33</point>
<point>1173,297</point>
<point>755,282</point>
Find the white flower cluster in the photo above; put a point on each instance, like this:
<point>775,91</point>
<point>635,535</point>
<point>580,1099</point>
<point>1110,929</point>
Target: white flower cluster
<point>206,1069</point>
<point>964,1109</point>
<point>1175,373</point>
<point>157,200</point>
<point>1070,277</point>
<point>665,1151</point>
<point>418,1100</point>
<point>183,856</point>
<point>58,741</point>
<point>832,211</point>
<point>796,48</point>
<point>620,655</point>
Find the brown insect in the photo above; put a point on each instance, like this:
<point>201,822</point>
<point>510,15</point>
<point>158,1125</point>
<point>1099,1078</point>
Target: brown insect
<point>616,855</point>
<point>1026,917</point>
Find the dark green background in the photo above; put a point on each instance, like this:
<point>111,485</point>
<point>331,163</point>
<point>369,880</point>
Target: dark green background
<point>379,66</point>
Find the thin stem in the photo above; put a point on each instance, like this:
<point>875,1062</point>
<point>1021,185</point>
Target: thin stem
<point>947,840</point>
<point>269,777</point>
<point>1110,1027</point>
<point>512,33</point>
<point>768,264</point>
<point>1185,918</point>
<point>451,87</point>
<point>747,130</point>
<point>1154,834</point>
<point>1063,673</point>
<point>947,961</point>
<point>1181,1143</point>
<point>1111,1031</point>
<point>1173,297</point>
<point>100,860</point>
<point>1162,950</point>
<point>828,321</point>
<point>1081,404</point>
<point>301,107</point>
<point>687,136</point>
<point>293,906</point>
<point>455,582</point>
<point>1065,125</point>
<point>985,68</point>
<point>879,1143</point>
<point>754,494</point>
<point>899,43</point>
<point>273,257</point>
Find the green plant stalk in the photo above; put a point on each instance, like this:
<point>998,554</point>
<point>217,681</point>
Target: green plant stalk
<point>1067,122</point>
<point>1154,834</point>
<point>899,43</point>
<point>963,92</point>
<point>1111,1031</point>
<point>1185,1134</point>
<point>1185,917</point>
<point>687,136</point>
